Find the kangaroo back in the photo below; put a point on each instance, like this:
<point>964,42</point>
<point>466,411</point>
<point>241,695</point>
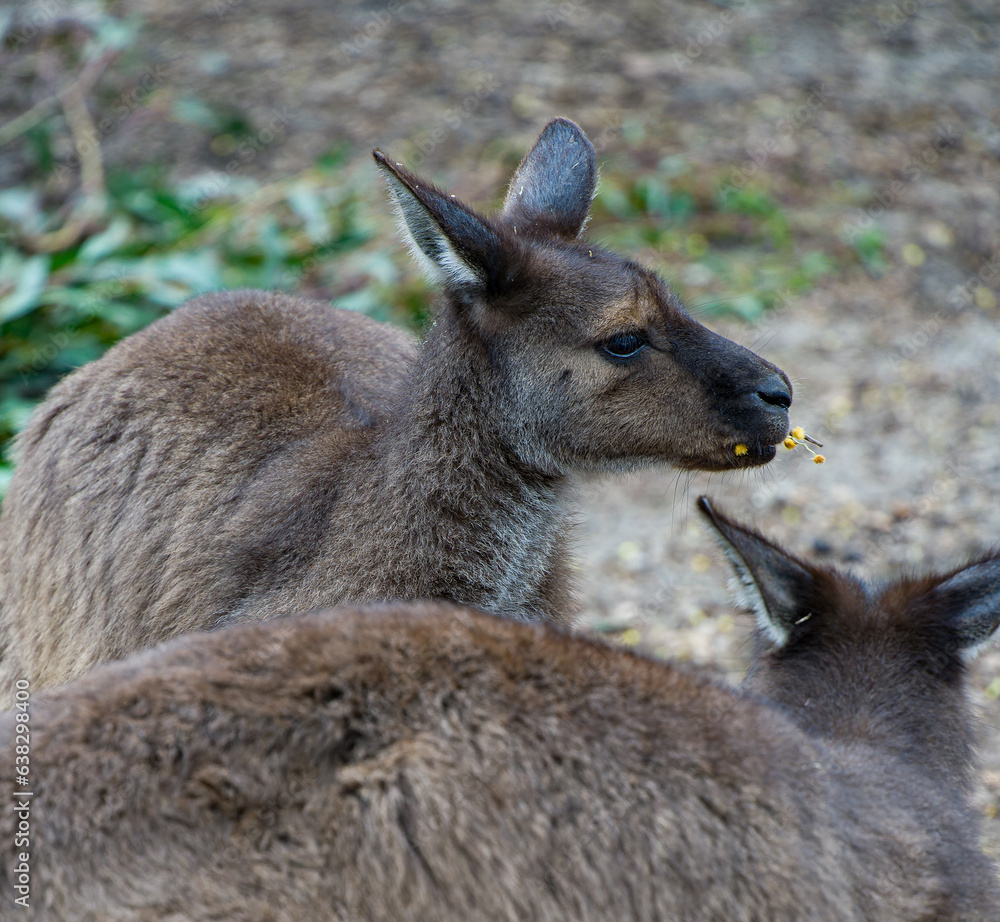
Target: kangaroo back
<point>254,455</point>
<point>132,468</point>
<point>431,763</point>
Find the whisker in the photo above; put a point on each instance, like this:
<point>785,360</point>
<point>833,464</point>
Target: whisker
<point>698,308</point>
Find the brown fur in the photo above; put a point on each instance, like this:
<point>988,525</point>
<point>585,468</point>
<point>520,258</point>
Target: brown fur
<point>254,454</point>
<point>424,762</point>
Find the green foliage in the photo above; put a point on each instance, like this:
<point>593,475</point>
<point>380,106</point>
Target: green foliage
<point>869,244</point>
<point>159,243</point>
<point>726,249</point>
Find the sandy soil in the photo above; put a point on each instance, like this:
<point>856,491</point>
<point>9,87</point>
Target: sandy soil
<point>898,374</point>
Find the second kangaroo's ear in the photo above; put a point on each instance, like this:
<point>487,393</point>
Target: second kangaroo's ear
<point>450,241</point>
<point>554,185</point>
<point>770,582</point>
<point>970,600</point>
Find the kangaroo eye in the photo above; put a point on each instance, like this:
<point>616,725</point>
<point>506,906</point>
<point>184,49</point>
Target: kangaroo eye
<point>624,345</point>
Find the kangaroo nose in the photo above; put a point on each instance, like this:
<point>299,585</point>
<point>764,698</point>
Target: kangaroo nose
<point>776,391</point>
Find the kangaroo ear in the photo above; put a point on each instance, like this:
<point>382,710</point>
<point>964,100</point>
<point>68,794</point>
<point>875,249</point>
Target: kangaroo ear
<point>554,185</point>
<point>971,599</point>
<point>769,581</point>
<point>450,241</point>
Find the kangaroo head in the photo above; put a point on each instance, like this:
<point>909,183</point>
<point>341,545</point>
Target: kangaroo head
<point>866,664</point>
<point>594,361</point>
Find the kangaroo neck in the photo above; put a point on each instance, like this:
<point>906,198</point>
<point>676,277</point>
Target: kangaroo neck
<point>493,522</point>
<point>456,410</point>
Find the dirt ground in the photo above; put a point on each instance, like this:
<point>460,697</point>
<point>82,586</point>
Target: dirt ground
<point>897,374</point>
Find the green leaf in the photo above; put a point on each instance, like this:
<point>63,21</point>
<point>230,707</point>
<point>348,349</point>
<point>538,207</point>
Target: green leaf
<point>14,412</point>
<point>654,195</point>
<point>815,264</point>
<point>32,275</point>
<point>21,208</point>
<point>106,242</point>
<point>113,33</point>
<point>126,318</point>
<point>307,205</point>
<point>747,200</point>
<point>381,266</point>
<point>169,279</point>
<point>364,300</point>
<point>6,18</point>
<point>195,111</point>
<point>746,307</point>
<point>6,473</point>
<point>615,201</point>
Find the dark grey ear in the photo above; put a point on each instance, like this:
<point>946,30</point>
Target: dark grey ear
<point>971,598</point>
<point>450,241</point>
<point>554,185</point>
<point>769,581</point>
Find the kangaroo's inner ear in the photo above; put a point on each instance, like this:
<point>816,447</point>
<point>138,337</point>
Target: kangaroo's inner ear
<point>971,598</point>
<point>769,581</point>
<point>449,240</point>
<point>553,187</point>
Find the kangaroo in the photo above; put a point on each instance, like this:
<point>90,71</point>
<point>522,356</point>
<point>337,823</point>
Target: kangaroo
<point>253,454</point>
<point>425,762</point>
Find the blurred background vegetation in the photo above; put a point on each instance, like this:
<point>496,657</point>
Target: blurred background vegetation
<point>93,252</point>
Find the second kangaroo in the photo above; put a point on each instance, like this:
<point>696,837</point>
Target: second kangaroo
<point>429,763</point>
<point>255,454</point>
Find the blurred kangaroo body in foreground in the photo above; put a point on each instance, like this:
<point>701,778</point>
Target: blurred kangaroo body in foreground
<point>253,454</point>
<point>426,762</point>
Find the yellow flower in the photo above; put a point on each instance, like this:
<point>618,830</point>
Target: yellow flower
<point>798,437</point>
<point>630,637</point>
<point>741,449</point>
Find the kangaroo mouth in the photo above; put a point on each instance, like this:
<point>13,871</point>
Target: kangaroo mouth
<point>760,447</point>
<point>734,457</point>
<point>736,453</point>
<point>746,455</point>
